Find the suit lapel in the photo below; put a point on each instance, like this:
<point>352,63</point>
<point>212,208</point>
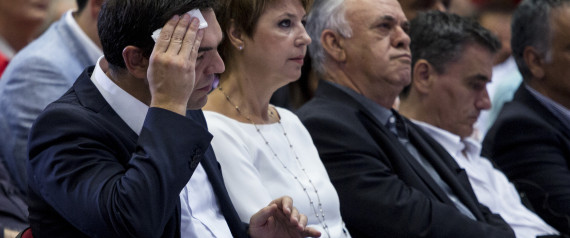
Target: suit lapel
<point>396,147</point>
<point>446,167</point>
<point>214,173</point>
<point>90,97</point>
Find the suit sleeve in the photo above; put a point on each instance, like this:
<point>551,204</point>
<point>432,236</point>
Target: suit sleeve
<point>534,155</point>
<point>28,89</point>
<point>375,199</point>
<point>80,166</point>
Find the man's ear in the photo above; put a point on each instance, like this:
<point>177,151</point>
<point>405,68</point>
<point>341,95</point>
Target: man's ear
<point>135,62</point>
<point>235,35</point>
<point>534,61</point>
<point>423,76</point>
<point>333,44</point>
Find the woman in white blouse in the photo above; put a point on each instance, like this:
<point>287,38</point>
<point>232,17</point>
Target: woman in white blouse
<point>265,152</point>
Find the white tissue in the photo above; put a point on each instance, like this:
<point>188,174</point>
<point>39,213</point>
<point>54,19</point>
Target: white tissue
<point>193,13</point>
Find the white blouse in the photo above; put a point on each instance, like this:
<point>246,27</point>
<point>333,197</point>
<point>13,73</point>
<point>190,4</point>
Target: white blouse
<point>254,177</point>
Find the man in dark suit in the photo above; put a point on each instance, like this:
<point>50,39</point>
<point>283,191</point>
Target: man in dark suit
<point>393,180</point>
<point>530,140</point>
<point>110,157</point>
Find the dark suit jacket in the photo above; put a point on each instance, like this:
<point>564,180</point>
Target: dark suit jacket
<point>91,175</point>
<point>532,147</point>
<point>383,190</point>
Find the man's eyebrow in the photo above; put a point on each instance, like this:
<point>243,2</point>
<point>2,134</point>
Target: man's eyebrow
<point>385,19</point>
<point>202,49</point>
<point>479,77</point>
<point>388,18</point>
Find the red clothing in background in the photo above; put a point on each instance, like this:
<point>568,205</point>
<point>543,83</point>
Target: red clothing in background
<point>3,63</point>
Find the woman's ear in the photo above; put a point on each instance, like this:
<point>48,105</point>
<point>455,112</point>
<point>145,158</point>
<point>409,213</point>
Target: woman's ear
<point>135,62</point>
<point>333,44</point>
<point>235,35</point>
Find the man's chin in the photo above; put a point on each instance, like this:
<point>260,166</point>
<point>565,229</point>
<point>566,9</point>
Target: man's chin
<point>196,104</point>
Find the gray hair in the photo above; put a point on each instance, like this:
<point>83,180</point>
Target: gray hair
<point>325,14</point>
<point>531,27</point>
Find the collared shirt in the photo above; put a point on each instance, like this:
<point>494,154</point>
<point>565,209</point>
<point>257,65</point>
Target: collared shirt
<point>201,215</point>
<point>490,185</point>
<point>6,49</point>
<point>561,112</point>
<point>386,116</point>
<point>92,49</point>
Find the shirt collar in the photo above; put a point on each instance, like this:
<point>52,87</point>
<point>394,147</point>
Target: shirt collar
<point>381,113</point>
<point>93,50</point>
<point>130,109</point>
<point>452,143</point>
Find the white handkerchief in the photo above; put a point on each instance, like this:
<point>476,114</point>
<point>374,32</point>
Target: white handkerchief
<point>193,13</point>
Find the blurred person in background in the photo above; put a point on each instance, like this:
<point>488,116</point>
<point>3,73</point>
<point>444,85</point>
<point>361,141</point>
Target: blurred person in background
<point>496,16</point>
<point>41,73</point>
<point>20,21</point>
<point>412,7</point>
<point>56,9</point>
<point>530,140</point>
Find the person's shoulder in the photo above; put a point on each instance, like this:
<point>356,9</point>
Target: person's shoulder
<point>318,106</point>
<point>221,125</point>
<point>516,112</point>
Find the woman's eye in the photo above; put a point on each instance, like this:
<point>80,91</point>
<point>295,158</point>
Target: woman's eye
<point>285,23</point>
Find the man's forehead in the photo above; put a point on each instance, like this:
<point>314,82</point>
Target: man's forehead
<point>213,33</point>
<point>560,17</point>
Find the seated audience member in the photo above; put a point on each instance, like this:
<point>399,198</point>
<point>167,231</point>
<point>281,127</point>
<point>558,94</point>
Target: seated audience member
<point>264,151</point>
<point>393,180</point>
<point>13,209</point>
<point>20,22</point>
<point>530,140</point>
<point>41,73</point>
<point>112,155</point>
<point>452,60</point>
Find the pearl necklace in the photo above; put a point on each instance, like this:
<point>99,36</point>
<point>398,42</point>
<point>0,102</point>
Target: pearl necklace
<point>321,217</point>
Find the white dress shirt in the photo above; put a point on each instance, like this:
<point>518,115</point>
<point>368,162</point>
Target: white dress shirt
<point>490,185</point>
<point>201,215</point>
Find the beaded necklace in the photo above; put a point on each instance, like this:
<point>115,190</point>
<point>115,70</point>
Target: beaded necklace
<point>319,208</point>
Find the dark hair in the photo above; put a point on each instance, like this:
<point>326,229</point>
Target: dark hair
<point>81,5</point>
<point>131,22</point>
<point>245,14</point>
<point>531,27</point>
<point>440,38</point>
